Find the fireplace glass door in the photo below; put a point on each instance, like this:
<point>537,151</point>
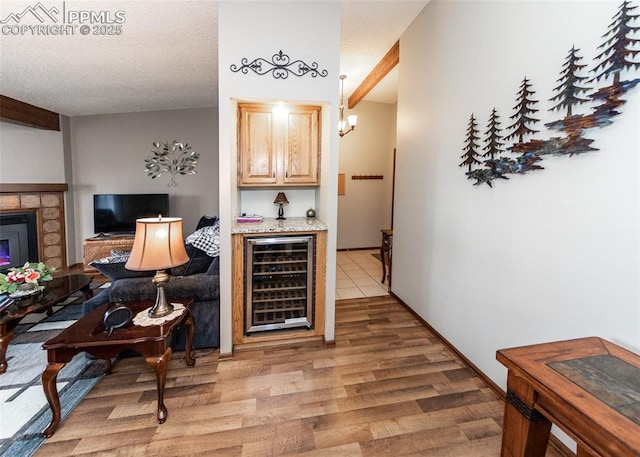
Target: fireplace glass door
<point>279,283</point>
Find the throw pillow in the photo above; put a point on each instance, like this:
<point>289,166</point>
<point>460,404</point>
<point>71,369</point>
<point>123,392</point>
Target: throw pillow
<point>114,269</point>
<point>198,262</point>
<point>207,239</point>
<point>214,268</point>
<point>206,221</point>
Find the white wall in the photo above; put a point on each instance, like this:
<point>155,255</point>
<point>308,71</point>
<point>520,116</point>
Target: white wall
<point>365,208</point>
<point>550,255</point>
<point>108,153</point>
<point>309,31</point>
<point>30,155</point>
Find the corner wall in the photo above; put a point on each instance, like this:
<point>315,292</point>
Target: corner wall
<point>550,255</point>
<point>108,153</point>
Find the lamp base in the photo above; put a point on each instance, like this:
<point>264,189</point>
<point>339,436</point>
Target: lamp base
<point>162,307</point>
<point>280,213</point>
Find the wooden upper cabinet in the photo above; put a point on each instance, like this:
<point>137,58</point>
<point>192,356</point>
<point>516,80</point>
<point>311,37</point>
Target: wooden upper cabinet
<point>277,148</point>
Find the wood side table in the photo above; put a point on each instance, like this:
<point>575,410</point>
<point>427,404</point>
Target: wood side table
<point>588,387</point>
<point>89,335</point>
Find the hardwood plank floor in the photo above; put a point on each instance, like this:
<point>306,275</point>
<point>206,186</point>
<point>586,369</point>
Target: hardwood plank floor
<point>388,387</point>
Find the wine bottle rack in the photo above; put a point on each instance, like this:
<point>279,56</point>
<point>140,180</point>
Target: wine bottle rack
<point>279,283</point>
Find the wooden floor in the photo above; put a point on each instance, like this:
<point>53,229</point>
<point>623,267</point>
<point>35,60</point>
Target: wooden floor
<point>388,388</point>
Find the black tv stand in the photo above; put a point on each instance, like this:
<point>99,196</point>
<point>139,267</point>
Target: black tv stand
<point>102,235</point>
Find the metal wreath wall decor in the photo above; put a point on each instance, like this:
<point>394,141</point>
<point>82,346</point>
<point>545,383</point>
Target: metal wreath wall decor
<point>619,53</point>
<point>176,158</point>
<point>280,67</point>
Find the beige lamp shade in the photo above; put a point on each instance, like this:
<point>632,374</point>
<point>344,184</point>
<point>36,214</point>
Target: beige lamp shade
<point>158,244</point>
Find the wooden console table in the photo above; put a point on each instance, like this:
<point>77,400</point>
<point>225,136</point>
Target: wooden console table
<point>97,248</point>
<point>588,387</point>
<point>386,248</point>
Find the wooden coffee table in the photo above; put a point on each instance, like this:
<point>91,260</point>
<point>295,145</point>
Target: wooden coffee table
<point>55,291</point>
<point>89,335</point>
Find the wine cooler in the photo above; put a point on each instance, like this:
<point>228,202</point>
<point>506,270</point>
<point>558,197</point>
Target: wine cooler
<point>279,282</point>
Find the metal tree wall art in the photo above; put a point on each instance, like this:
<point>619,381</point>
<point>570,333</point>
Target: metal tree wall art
<point>619,53</point>
<point>176,158</point>
<point>524,109</point>
<point>493,139</point>
<point>472,146</point>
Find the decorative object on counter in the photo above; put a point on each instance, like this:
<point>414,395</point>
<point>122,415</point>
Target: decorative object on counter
<point>351,120</point>
<point>158,245</point>
<point>175,158</point>
<point>249,218</point>
<point>311,212</point>
<point>617,54</point>
<point>25,280</point>
<point>281,199</point>
<point>280,66</point>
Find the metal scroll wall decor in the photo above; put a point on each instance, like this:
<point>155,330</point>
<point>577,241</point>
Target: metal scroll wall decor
<point>280,66</point>
<point>619,53</point>
<point>175,158</point>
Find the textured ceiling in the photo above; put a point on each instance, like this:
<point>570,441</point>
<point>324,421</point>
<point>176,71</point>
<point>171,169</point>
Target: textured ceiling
<point>166,57</point>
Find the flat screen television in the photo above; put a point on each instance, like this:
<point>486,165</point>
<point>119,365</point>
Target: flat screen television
<point>116,214</point>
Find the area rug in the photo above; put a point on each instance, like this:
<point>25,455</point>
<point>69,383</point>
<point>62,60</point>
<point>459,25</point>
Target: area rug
<point>24,411</point>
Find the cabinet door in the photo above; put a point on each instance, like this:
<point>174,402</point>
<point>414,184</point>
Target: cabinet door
<point>257,146</point>
<point>301,146</point>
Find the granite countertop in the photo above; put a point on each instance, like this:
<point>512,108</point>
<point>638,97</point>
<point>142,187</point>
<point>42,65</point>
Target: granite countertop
<point>271,225</point>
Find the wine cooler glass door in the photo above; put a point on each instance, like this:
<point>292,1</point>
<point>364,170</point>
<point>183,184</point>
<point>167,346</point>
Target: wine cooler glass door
<point>279,283</point>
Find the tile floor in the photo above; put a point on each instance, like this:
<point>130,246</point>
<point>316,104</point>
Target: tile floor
<point>358,274</point>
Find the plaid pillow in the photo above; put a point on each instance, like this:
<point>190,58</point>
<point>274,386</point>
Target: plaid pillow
<point>206,239</point>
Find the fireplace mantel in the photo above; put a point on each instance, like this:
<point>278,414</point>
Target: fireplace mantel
<point>20,188</point>
<point>47,201</point>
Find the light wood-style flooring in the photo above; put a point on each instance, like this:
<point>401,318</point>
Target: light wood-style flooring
<point>388,388</point>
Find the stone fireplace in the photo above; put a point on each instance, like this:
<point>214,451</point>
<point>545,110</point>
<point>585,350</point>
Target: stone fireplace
<point>46,202</point>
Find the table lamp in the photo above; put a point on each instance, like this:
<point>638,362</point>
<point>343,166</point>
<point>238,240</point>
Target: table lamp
<point>281,199</point>
<point>158,245</point>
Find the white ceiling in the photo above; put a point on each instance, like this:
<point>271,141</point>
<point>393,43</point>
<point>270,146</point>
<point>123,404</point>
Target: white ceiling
<point>166,56</point>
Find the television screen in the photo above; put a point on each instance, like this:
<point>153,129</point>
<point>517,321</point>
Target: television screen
<point>117,213</point>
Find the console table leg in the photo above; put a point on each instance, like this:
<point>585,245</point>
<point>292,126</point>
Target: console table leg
<point>526,431</point>
<point>49,377</point>
<point>4,344</point>
<point>188,355</point>
<point>159,366</point>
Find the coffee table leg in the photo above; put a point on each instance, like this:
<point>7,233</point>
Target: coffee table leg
<point>87,291</point>
<point>51,392</point>
<point>159,365</point>
<point>4,344</point>
<point>188,355</point>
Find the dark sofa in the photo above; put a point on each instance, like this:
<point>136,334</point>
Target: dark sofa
<point>197,279</point>
<point>204,288</point>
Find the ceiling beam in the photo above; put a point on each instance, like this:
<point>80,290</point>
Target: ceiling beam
<point>390,60</point>
<point>18,112</point>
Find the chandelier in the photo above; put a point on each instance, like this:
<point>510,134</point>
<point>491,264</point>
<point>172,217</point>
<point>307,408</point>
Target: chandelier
<point>351,120</point>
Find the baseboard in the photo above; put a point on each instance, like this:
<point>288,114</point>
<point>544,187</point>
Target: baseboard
<point>553,440</point>
<point>357,249</point>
